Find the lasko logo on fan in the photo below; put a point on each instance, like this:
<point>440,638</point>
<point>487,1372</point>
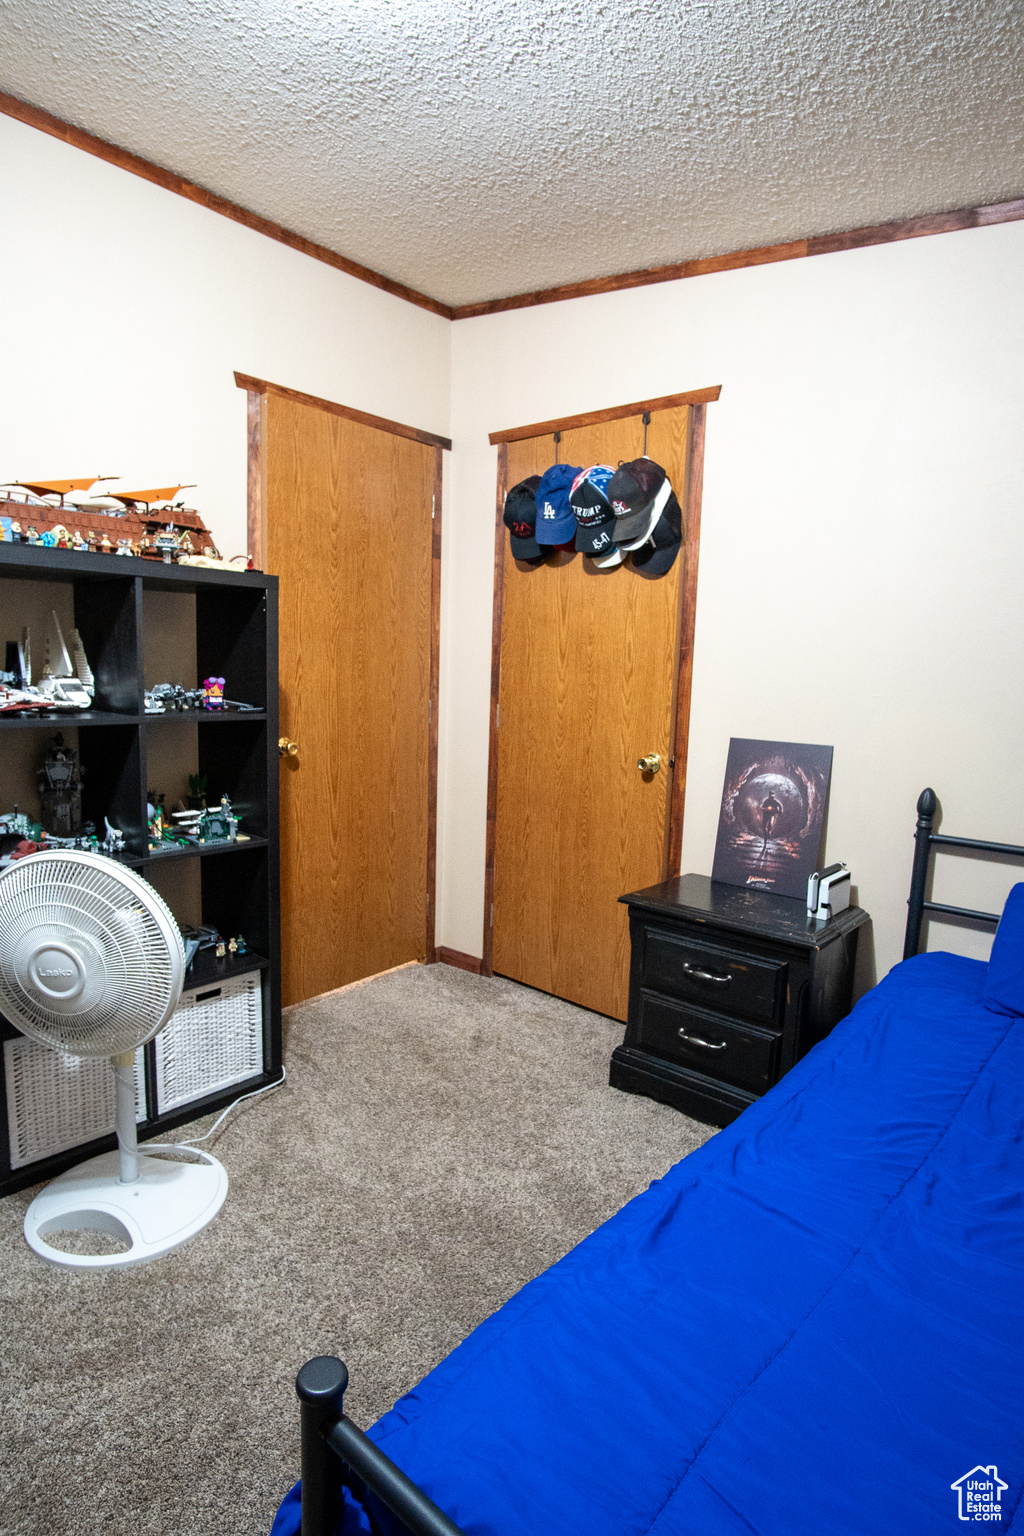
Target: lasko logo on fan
<point>54,971</point>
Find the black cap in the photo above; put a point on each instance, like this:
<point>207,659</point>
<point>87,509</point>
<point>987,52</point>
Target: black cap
<point>657,555</point>
<point>631,491</point>
<point>520,517</point>
<point>595,520</point>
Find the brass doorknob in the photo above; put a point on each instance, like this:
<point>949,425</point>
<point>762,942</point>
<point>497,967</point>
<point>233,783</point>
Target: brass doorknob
<point>649,764</point>
<point>287,748</point>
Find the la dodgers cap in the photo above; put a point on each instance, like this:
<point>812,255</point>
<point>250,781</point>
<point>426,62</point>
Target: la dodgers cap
<point>520,517</point>
<point>658,553</point>
<point>632,489</point>
<point>595,521</point>
<point>556,520</point>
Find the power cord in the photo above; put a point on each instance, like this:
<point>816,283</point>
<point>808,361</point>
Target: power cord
<point>195,1140</point>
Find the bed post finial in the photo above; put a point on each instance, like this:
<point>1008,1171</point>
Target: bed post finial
<point>927,805</point>
<point>320,1387</point>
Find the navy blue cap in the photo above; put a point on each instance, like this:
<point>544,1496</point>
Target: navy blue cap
<point>657,554</point>
<point>556,520</point>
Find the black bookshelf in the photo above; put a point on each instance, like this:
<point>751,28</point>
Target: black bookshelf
<point>229,624</point>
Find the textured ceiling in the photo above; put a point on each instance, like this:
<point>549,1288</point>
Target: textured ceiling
<point>478,148</point>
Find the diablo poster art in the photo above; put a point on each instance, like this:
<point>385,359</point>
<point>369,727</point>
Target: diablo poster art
<point>773,815</point>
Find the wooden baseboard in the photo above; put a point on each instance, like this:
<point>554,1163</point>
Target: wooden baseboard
<point>457,958</point>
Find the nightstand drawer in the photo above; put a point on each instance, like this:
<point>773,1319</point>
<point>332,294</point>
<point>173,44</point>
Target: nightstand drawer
<point>734,1053</point>
<point>715,977</point>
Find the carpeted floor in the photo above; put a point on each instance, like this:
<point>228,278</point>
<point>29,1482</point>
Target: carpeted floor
<point>441,1139</point>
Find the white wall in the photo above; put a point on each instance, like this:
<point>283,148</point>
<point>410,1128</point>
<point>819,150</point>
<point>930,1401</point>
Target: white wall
<point>861,555</point>
<point>126,310</point>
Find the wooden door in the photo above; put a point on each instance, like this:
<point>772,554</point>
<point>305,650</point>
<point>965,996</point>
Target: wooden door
<point>588,682</point>
<point>351,532</point>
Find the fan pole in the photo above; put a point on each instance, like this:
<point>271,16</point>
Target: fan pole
<point>124,1117</point>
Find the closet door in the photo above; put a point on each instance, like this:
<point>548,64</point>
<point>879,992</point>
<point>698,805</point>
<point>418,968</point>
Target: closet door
<point>588,672</point>
<point>350,532</point>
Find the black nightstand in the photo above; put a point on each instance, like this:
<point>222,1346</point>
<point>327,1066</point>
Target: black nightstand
<point>728,988</point>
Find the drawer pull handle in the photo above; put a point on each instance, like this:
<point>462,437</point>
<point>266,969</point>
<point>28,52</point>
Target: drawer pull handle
<point>699,975</point>
<point>707,1044</point>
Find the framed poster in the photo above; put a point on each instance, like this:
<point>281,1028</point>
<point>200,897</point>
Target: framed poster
<point>772,822</point>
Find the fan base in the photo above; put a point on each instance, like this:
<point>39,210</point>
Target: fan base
<point>167,1205</point>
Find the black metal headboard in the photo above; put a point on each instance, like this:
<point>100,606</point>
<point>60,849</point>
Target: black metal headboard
<point>925,840</point>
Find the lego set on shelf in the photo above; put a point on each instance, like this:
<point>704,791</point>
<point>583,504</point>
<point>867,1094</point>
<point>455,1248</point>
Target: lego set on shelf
<point>66,683</point>
<point>60,823</point>
<point>148,524</point>
<point>189,826</point>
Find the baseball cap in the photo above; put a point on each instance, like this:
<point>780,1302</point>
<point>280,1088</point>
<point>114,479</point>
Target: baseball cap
<point>632,489</point>
<point>649,518</point>
<point>520,517</point>
<point>556,521</point>
<point>657,554</point>
<point>606,562</point>
<point>595,521</point>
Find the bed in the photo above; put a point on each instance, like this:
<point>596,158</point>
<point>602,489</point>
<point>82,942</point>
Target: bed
<point>814,1322</point>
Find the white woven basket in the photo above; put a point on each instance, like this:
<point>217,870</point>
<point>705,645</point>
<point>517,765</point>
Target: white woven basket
<point>55,1102</point>
<point>214,1039</point>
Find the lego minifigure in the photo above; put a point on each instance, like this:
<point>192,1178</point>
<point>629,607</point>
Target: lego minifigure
<point>105,545</point>
<point>221,949</point>
<point>167,544</point>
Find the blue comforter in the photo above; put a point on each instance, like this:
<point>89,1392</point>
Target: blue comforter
<point>815,1323</point>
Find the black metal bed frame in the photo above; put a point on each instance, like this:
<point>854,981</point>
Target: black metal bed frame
<point>925,841</point>
<point>335,1454</point>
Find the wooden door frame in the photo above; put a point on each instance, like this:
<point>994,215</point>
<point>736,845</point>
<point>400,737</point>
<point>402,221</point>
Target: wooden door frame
<point>697,400</point>
<point>256,524</point>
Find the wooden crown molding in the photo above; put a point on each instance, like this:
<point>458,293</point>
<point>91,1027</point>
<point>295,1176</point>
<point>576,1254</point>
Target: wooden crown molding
<point>35,117</point>
<point>611,413</point>
<point>398,428</point>
<point>818,245</point>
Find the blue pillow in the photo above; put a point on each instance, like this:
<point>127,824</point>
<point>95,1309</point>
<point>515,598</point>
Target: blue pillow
<point>1004,985</point>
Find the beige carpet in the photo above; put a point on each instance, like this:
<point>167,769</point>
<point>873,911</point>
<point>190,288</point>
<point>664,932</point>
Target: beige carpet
<point>441,1139</point>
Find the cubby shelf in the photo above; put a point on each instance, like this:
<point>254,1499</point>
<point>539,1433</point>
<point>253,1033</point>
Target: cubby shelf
<point>67,719</point>
<point>143,622</point>
<point>207,971</point>
<point>205,850</point>
<point>207,716</point>
<point>77,718</point>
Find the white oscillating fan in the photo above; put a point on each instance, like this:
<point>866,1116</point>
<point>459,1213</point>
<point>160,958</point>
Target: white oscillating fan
<point>91,963</point>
